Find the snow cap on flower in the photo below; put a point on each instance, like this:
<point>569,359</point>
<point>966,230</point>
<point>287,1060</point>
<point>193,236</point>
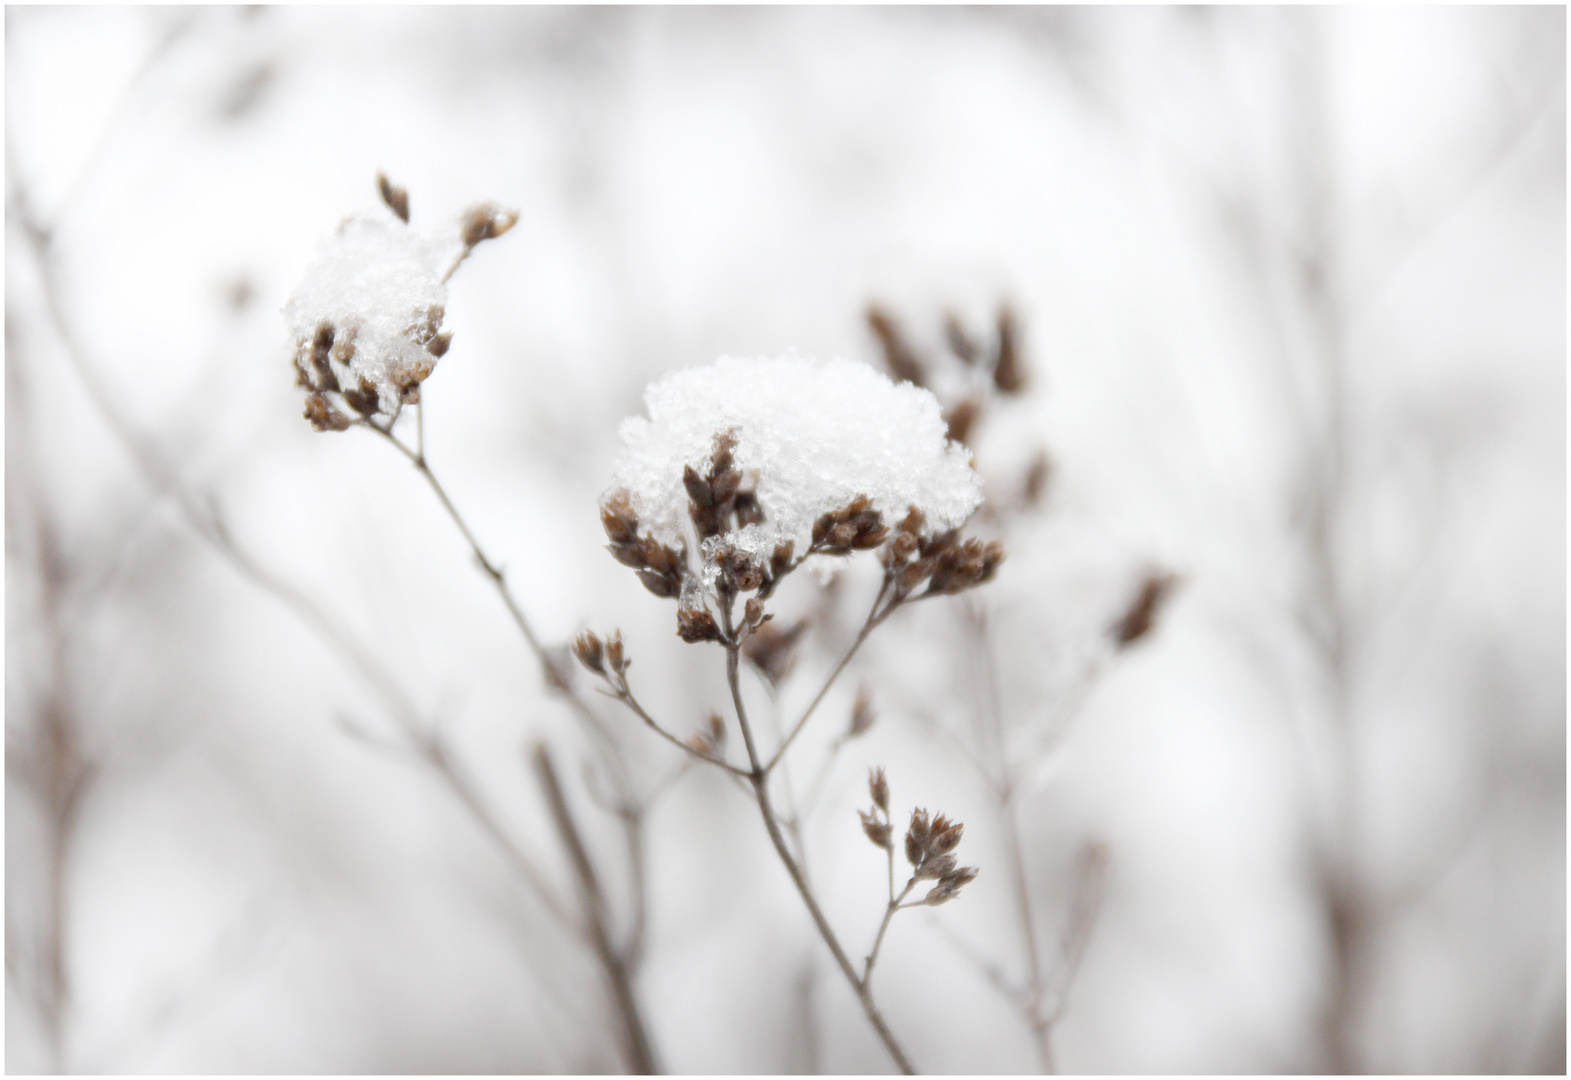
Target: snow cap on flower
<point>810,437</point>
<point>369,310</point>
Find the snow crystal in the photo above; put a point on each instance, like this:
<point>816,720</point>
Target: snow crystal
<point>379,284</point>
<point>810,436</point>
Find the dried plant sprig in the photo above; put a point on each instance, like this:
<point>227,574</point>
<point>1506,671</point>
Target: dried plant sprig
<point>929,848</point>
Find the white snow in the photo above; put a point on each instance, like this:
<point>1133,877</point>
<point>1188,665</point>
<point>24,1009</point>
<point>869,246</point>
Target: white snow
<point>811,435</point>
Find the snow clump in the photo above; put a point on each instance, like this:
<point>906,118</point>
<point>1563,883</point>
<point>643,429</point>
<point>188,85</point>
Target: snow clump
<point>810,437</point>
<point>369,310</point>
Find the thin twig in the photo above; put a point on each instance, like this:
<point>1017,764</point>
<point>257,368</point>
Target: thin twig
<point>759,778</point>
<point>637,1048</point>
<point>874,618</point>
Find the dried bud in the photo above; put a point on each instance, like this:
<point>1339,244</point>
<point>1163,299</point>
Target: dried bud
<point>878,788</point>
<point>961,418</point>
<point>486,222</point>
<point>753,613</point>
<point>898,354</point>
<point>950,884</point>
<point>945,836</point>
<point>960,342</point>
<point>916,837</point>
<point>1008,372</point>
<point>613,652</point>
<point>694,625</point>
<point>363,399</point>
<point>772,650</point>
<point>879,832</point>
<point>616,514</point>
<point>862,715</point>
<point>934,867</point>
<point>588,649</point>
<point>396,198</point>
<point>323,416</point>
<point>711,738</point>
<point>1034,486</point>
<point>662,585</point>
<point>438,345</point>
<point>1141,615</point>
<point>748,512</point>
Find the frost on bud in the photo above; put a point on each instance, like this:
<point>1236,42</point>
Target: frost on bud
<point>1141,615</point>
<point>879,832</point>
<point>878,789</point>
<point>862,714</point>
<point>590,653</point>
<point>396,198</point>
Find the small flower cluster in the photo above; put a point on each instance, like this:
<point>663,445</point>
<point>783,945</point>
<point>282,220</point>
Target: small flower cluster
<point>929,844</point>
<point>945,562</point>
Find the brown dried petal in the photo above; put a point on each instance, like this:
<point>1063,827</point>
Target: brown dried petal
<point>614,655</point>
<point>879,832</point>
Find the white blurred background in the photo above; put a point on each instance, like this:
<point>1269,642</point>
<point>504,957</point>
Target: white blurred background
<point>1291,289</point>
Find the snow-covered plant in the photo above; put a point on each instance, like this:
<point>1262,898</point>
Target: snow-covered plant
<point>743,471</point>
<point>367,316</point>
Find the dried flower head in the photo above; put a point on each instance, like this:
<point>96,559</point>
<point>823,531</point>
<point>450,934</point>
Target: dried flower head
<point>824,450</point>
<point>368,308</point>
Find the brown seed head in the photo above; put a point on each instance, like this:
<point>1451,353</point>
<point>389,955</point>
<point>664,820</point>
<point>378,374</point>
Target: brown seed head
<point>589,651</point>
<point>960,342</point>
<point>486,222</point>
<point>615,658</point>
<point>862,714</point>
<point>1142,613</point>
<point>878,831</point>
<point>916,837</point>
<point>695,625</point>
<point>900,357</point>
<point>878,788</point>
<point>396,198</point>
<point>961,418</point>
<point>1009,373</point>
<point>323,416</point>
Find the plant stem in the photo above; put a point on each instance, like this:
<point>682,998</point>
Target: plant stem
<point>636,1047</point>
<point>874,617</point>
<point>889,916</point>
<point>759,778</point>
<point>614,962</point>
